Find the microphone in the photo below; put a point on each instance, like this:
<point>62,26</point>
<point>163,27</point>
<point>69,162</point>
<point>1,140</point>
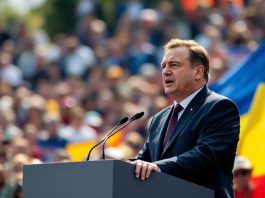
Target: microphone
<point>134,117</point>
<point>122,121</point>
<point>137,116</point>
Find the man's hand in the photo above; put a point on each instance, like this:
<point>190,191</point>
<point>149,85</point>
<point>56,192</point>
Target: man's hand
<point>143,169</point>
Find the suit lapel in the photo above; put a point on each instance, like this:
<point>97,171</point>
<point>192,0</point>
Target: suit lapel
<point>159,138</point>
<point>190,110</point>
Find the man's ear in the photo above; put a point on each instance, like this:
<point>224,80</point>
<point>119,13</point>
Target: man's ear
<point>199,72</point>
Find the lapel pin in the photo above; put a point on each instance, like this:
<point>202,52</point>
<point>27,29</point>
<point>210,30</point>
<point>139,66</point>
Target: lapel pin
<point>191,109</point>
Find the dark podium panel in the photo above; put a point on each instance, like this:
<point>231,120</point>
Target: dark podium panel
<point>103,179</point>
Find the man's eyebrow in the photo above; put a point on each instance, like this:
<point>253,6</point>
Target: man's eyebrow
<point>171,61</point>
<point>174,61</point>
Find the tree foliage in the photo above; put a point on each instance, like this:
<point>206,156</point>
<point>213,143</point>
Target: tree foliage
<point>58,16</point>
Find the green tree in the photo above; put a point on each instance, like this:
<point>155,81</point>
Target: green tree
<point>58,16</point>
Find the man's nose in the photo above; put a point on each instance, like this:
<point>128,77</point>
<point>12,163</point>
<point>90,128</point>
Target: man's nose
<point>166,71</point>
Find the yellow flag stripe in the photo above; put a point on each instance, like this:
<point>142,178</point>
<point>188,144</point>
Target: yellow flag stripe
<point>252,142</point>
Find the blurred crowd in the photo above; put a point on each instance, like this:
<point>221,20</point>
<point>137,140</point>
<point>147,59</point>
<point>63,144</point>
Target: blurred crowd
<point>74,87</point>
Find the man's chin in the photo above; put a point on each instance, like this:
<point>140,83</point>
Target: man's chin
<point>169,92</point>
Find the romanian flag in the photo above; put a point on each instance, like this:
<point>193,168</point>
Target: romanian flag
<point>245,84</point>
<point>252,144</point>
<point>252,138</point>
<point>241,81</point>
<point>78,151</point>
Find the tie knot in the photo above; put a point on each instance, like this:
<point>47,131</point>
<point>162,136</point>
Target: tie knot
<point>177,108</point>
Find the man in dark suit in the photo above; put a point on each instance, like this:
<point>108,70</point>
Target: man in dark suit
<point>201,143</point>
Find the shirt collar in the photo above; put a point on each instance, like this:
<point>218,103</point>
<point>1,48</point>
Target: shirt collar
<point>184,103</point>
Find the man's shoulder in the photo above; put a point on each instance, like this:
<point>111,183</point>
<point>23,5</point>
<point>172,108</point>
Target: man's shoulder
<point>207,97</point>
<point>220,101</point>
<point>215,97</point>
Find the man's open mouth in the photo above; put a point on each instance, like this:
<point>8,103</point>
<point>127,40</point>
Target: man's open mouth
<point>168,82</point>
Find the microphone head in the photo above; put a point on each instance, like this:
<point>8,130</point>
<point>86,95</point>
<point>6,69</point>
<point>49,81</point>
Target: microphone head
<point>123,120</point>
<point>137,116</point>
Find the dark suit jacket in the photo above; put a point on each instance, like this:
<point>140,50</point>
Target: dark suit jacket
<point>203,145</point>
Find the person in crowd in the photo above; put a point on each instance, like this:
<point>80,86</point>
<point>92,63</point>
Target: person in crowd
<point>244,187</point>
<point>196,137</point>
<point>8,71</point>
<point>51,142</point>
<point>77,130</point>
<point>6,189</point>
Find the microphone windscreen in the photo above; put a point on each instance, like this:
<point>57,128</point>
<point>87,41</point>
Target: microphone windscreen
<point>123,120</point>
<point>138,115</point>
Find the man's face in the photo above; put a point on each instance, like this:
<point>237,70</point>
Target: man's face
<point>241,179</point>
<point>178,75</point>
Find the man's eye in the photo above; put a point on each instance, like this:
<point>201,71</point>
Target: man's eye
<point>176,64</point>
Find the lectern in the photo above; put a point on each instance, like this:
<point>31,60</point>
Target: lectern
<point>103,179</point>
